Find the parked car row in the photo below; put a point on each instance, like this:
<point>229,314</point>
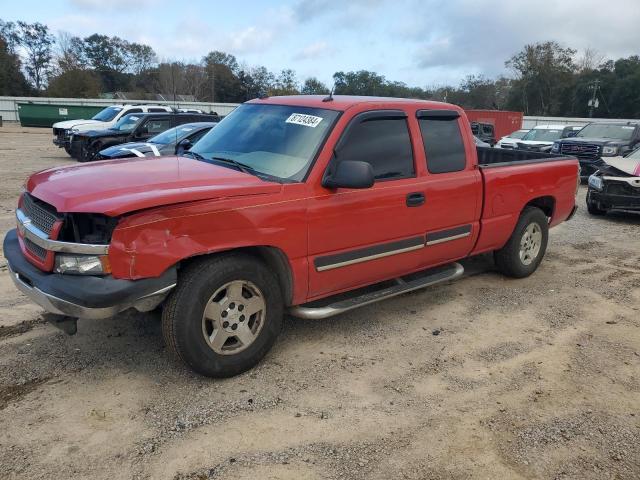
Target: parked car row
<point>83,139</point>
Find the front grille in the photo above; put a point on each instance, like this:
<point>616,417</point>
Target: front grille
<point>36,250</point>
<point>59,133</point>
<point>41,215</point>
<point>621,188</point>
<point>580,150</point>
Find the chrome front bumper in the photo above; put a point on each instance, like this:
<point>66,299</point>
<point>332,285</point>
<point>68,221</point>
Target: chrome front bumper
<point>59,306</point>
<point>89,297</point>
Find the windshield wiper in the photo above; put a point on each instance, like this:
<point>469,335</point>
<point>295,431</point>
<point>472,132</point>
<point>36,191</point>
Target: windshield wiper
<point>244,168</point>
<point>195,155</point>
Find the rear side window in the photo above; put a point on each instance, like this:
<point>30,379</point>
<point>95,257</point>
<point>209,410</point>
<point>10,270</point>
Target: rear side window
<point>156,110</point>
<point>134,110</point>
<point>443,145</point>
<point>158,125</point>
<point>382,142</point>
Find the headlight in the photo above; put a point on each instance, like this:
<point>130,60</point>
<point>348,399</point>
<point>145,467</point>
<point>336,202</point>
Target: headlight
<point>82,264</point>
<point>596,182</point>
<point>609,151</point>
<point>555,148</point>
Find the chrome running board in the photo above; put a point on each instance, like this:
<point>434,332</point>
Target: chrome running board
<point>331,306</point>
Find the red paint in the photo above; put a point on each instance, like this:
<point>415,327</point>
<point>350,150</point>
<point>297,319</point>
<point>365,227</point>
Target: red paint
<point>504,122</point>
<point>175,208</point>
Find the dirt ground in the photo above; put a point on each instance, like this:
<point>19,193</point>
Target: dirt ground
<point>486,378</point>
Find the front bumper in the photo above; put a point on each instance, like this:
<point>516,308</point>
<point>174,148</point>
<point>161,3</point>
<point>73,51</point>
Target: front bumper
<point>608,201</point>
<point>90,297</point>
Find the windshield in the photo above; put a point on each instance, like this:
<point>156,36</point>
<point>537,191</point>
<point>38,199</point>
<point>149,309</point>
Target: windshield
<point>601,130</point>
<point>543,135</point>
<point>107,114</point>
<point>277,140</point>
<point>518,134</point>
<point>126,123</point>
<point>173,135</point>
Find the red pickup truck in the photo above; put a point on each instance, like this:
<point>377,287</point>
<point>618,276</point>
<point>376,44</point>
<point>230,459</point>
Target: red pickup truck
<point>302,204</point>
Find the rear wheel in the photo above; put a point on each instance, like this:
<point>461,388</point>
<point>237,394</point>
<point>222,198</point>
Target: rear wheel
<point>224,315</point>
<point>525,249</point>
<point>593,207</point>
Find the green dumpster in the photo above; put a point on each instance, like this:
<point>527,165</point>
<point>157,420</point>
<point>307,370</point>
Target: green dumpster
<point>46,114</point>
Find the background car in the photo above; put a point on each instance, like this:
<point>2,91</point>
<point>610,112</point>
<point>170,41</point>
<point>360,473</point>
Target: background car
<point>484,131</point>
<point>615,185</point>
<point>510,141</point>
<point>599,140</point>
<point>168,142</point>
<point>542,137</point>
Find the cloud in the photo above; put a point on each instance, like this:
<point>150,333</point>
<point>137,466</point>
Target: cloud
<point>456,34</point>
<point>314,51</point>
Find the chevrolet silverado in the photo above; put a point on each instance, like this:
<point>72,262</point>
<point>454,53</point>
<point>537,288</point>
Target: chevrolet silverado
<point>308,205</point>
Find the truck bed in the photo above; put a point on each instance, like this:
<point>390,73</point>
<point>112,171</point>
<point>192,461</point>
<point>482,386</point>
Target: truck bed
<point>510,177</point>
<point>500,157</point>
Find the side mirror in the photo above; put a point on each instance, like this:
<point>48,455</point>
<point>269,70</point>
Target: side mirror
<point>183,145</point>
<point>350,174</point>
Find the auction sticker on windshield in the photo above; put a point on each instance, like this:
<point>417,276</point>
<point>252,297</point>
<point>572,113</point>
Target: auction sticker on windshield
<point>305,120</point>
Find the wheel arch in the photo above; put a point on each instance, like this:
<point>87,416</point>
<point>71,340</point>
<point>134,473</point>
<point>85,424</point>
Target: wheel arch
<point>273,257</point>
<point>545,203</point>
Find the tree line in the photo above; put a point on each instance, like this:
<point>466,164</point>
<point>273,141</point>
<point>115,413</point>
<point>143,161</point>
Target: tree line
<point>545,78</point>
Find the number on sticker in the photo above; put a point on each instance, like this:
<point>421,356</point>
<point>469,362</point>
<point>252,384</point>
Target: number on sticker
<point>305,120</point>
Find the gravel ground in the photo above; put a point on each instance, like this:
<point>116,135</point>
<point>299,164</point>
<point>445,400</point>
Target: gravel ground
<point>486,377</point>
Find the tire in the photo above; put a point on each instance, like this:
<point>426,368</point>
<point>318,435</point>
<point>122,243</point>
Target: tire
<point>593,208</point>
<point>67,149</point>
<point>196,335</point>
<point>527,245</point>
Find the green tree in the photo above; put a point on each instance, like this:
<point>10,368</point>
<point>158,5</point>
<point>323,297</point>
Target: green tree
<point>12,81</point>
<point>544,73</point>
<point>285,83</point>
<point>313,86</point>
<point>75,84</point>
<point>37,43</point>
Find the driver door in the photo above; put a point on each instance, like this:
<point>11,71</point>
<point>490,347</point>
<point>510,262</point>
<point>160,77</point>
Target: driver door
<point>361,236</point>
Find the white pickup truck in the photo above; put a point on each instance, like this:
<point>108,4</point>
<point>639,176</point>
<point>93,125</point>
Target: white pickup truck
<point>106,118</point>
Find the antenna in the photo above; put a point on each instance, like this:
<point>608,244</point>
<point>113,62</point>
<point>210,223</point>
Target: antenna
<point>175,110</point>
<point>330,97</point>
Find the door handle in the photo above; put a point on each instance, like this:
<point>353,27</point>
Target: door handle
<point>415,199</point>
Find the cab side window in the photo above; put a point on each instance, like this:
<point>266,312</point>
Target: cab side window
<point>443,144</point>
<point>383,142</point>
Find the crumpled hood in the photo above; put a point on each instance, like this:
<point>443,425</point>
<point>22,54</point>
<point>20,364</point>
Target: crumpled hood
<point>627,165</point>
<point>115,187</point>
<point>137,149</point>
<point>80,124</point>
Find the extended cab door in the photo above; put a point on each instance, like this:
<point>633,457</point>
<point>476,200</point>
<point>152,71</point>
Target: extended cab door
<point>453,186</point>
<point>362,236</point>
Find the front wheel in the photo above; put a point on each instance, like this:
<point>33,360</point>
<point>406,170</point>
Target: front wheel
<point>525,249</point>
<point>224,315</point>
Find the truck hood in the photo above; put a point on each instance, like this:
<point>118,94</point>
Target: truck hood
<point>116,187</point>
<point>534,142</point>
<point>627,165</point>
<point>77,124</point>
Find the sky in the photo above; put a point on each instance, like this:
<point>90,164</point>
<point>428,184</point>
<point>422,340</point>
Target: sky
<point>420,42</point>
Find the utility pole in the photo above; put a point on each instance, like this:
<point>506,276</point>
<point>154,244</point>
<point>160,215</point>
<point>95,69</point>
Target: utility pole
<point>594,102</point>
